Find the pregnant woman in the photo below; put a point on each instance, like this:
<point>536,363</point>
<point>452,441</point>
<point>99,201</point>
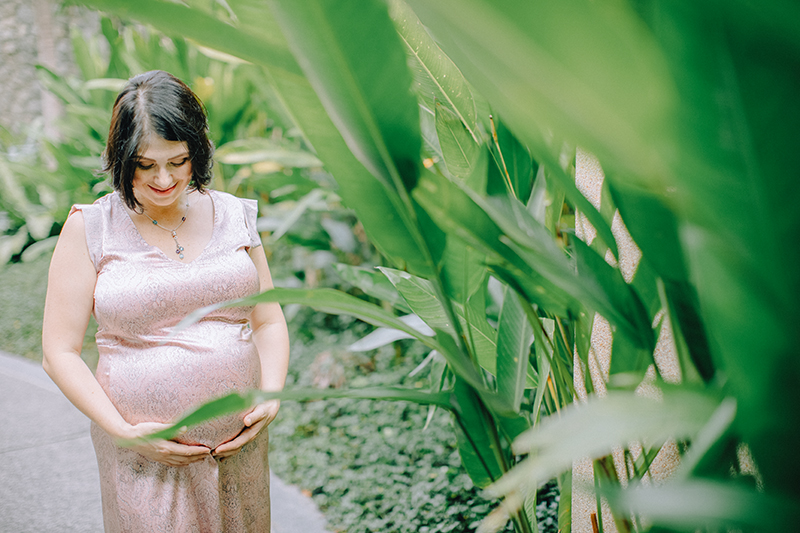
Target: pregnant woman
<point>140,259</point>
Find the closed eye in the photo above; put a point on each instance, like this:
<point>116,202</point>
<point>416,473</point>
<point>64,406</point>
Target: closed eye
<point>144,167</point>
<point>181,162</point>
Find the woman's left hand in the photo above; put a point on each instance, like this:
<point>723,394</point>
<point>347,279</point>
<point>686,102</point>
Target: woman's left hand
<point>257,419</point>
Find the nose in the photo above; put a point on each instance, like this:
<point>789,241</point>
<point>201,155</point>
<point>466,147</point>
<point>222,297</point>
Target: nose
<point>163,178</point>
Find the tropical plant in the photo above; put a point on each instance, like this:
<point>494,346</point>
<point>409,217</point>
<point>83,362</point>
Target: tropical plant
<point>689,108</point>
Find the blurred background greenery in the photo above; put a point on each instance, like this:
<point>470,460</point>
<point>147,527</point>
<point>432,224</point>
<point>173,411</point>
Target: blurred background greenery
<point>462,189</point>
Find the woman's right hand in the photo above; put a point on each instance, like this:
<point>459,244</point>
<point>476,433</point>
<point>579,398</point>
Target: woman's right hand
<point>167,452</point>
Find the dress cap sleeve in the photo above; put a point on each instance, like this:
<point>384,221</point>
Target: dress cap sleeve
<point>250,220</point>
<point>93,222</point>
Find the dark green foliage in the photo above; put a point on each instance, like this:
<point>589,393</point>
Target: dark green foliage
<point>22,290</point>
<point>368,464</point>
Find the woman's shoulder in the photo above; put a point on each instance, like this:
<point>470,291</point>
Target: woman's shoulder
<point>231,201</point>
<point>225,196</point>
<point>104,202</point>
<point>238,213</point>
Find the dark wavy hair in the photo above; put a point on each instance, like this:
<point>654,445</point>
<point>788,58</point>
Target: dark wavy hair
<point>155,102</point>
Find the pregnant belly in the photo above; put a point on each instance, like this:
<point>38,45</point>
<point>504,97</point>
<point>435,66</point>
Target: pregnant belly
<point>163,383</point>
<point>212,434</point>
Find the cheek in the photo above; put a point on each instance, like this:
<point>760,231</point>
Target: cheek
<point>139,177</point>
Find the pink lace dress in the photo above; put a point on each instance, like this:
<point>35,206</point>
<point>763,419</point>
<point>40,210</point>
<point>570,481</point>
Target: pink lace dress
<point>140,295</point>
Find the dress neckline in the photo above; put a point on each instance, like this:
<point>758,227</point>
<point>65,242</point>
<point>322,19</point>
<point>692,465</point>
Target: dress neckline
<point>158,250</point>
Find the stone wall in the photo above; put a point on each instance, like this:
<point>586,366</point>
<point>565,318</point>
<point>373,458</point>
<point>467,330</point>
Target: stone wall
<point>35,32</point>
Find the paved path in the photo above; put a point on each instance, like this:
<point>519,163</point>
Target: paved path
<point>48,472</point>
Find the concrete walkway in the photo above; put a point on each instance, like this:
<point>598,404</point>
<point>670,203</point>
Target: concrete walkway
<point>48,472</point>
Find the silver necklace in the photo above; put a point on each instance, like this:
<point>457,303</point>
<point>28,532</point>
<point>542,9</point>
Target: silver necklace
<point>173,232</point>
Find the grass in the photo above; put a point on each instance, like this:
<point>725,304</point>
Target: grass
<point>22,291</point>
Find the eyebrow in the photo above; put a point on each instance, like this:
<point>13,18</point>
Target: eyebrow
<point>141,158</point>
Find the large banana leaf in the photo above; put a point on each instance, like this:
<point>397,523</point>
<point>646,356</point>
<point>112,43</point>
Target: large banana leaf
<point>593,429</point>
<point>459,216</point>
<point>514,338</point>
<point>263,48</point>
<point>374,284</point>
<point>477,438</point>
<point>367,95</point>
<point>732,186</point>
<point>237,402</point>
<point>459,151</point>
<point>341,303</point>
<point>326,300</point>
<point>586,70</point>
<point>423,301</point>
<point>578,71</point>
<point>711,505</point>
<point>436,78</point>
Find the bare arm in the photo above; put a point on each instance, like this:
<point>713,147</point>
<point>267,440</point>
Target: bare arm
<point>270,333</point>
<point>68,306</point>
<point>271,338</point>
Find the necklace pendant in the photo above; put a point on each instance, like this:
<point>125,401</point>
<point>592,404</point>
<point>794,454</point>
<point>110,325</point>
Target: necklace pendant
<point>173,232</point>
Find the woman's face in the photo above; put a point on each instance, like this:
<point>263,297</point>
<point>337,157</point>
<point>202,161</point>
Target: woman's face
<point>163,171</point>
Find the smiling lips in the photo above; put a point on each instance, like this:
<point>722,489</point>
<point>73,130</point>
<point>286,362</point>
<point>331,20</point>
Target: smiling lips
<point>164,191</point>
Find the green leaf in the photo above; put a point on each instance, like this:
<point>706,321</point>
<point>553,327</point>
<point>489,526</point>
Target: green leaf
<point>277,185</point>
<point>374,284</point>
<point>514,338</point>
<point>457,214</point>
<point>459,150</point>
<point>629,359</point>
<point>706,504</point>
<point>326,300</point>
<point>595,428</point>
<point>463,271</point>
<point>366,94</point>
<point>236,402</point>
<point>685,312</point>
<point>83,56</point>
<point>586,70</point>
<point>653,226</point>
<point>436,78</point>
<point>459,362</point>
<point>565,501</point>
<point>254,150</point>
<point>260,48</point>
<point>617,302</point>
<point>513,169</point>
<point>58,86</point>
<point>474,429</point>
<point>421,297</point>
<point>555,202</point>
